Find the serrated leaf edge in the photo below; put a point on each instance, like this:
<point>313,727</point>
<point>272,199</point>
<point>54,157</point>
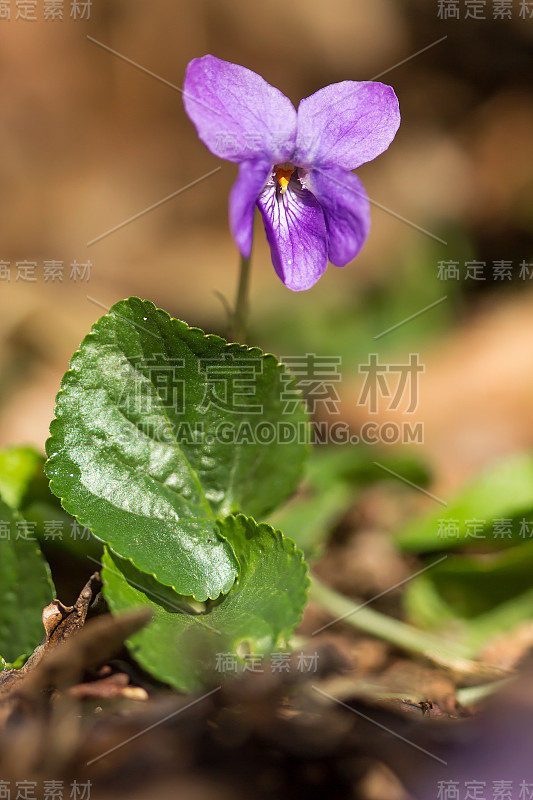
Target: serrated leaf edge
<point>152,667</point>
<point>211,337</point>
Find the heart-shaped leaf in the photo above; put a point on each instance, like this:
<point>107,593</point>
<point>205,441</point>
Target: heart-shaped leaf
<point>160,430</point>
<point>257,616</point>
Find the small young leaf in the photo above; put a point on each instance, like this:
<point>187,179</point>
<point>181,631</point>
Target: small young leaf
<point>157,434</point>
<point>257,616</point>
<point>25,587</point>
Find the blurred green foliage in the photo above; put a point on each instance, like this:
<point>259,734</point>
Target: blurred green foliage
<point>485,587</point>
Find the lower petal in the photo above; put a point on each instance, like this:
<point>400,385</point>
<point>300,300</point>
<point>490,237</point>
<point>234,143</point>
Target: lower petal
<point>244,193</point>
<point>296,232</point>
<point>346,210</point>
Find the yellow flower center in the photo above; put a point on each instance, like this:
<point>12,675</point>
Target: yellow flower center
<point>282,174</point>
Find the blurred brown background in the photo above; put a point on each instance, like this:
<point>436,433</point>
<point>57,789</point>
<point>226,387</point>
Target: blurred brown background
<point>88,141</point>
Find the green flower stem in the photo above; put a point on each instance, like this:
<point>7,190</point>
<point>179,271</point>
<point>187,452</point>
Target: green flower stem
<point>442,652</point>
<point>240,315</point>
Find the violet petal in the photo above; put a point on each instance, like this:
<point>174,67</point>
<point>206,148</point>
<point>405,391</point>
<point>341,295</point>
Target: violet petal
<point>244,193</point>
<point>346,211</point>
<point>346,124</point>
<point>237,114</point>
<point>296,232</point>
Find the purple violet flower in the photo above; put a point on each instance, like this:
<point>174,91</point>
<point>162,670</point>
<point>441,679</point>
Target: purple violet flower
<point>294,165</point>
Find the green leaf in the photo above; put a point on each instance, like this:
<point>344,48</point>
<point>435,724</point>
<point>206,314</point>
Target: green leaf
<point>57,530</point>
<point>328,490</point>
<point>310,518</point>
<point>502,492</point>
<point>333,481</point>
<point>18,467</point>
<point>25,488</point>
<point>257,616</point>
<point>474,597</point>
<point>25,587</point>
<point>142,449</point>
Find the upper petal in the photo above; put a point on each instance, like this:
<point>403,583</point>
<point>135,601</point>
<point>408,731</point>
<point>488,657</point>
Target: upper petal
<point>346,124</point>
<point>296,232</point>
<point>237,114</point>
<point>244,193</point>
<point>346,211</point>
